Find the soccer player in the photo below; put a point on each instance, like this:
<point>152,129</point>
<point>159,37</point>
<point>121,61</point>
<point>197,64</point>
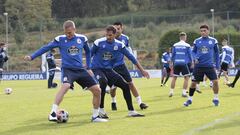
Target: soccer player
<point>51,68</point>
<point>71,46</point>
<point>166,70</point>
<point>106,51</point>
<point>181,56</point>
<point>226,60</point>
<point>207,53</point>
<point>235,80</point>
<point>121,69</point>
<point>3,58</point>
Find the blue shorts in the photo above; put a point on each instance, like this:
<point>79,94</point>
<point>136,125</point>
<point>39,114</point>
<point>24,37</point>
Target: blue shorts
<point>177,69</point>
<point>199,72</point>
<point>81,76</point>
<point>123,71</point>
<point>108,75</point>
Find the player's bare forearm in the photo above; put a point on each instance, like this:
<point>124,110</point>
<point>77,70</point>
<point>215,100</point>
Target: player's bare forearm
<point>145,73</point>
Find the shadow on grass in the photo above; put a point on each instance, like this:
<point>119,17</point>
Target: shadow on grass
<point>43,126</point>
<point>179,109</point>
<point>43,119</point>
<point>230,95</point>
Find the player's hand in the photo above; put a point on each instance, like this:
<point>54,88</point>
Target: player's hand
<point>145,74</point>
<point>28,58</point>
<point>90,72</point>
<point>196,61</point>
<point>171,64</point>
<point>192,65</point>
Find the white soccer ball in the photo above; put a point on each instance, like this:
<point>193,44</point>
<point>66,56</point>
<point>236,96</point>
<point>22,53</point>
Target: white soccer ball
<point>8,91</point>
<point>62,116</point>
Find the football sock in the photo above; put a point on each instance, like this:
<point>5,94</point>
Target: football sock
<point>236,77</point>
<point>139,100</point>
<point>171,91</point>
<point>167,78</point>
<point>114,100</point>
<point>215,96</point>
<point>184,91</point>
<point>191,91</point>
<point>95,113</point>
<point>54,108</point>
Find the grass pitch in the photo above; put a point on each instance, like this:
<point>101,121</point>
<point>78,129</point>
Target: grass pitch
<point>25,111</point>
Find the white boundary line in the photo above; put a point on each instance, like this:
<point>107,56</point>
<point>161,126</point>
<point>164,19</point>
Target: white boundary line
<point>211,124</point>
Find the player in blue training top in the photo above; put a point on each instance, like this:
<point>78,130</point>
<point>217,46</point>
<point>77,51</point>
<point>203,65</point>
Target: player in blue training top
<point>206,62</point>
<point>3,58</point>
<point>181,56</point>
<point>51,68</point>
<point>105,52</point>
<point>71,46</point>
<point>166,70</point>
<point>226,60</point>
<point>121,69</point>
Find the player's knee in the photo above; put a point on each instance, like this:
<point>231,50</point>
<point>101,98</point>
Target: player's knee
<point>96,90</point>
<point>193,84</point>
<point>215,82</point>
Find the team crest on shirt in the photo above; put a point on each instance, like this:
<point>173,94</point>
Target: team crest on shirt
<point>115,47</point>
<point>204,49</point>
<point>65,41</point>
<point>104,46</point>
<point>79,41</point>
<point>210,42</point>
<point>73,50</point>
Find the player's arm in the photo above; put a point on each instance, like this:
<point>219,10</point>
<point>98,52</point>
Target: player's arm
<point>42,50</point>
<point>223,55</point>
<point>88,54</point>
<point>216,52</point>
<point>163,59</point>
<point>172,59</point>
<point>134,61</point>
<point>94,48</point>
<point>232,62</point>
<point>194,51</point>
<point>190,56</point>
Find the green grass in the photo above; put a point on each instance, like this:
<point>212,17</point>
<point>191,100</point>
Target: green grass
<point>25,111</point>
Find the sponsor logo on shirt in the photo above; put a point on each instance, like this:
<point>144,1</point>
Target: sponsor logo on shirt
<point>73,50</point>
<point>204,49</point>
<point>107,56</point>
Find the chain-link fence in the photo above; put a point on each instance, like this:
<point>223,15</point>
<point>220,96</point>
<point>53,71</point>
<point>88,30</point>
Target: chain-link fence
<point>145,32</point>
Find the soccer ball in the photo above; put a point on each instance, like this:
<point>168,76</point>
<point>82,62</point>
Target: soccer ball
<point>62,116</point>
<point>8,91</point>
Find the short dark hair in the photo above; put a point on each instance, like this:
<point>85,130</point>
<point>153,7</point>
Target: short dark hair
<point>2,44</point>
<point>111,28</point>
<point>204,26</point>
<point>118,23</point>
